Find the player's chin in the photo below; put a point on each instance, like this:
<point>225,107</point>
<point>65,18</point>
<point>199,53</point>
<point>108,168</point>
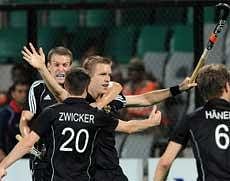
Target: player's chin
<point>60,81</point>
<point>104,90</point>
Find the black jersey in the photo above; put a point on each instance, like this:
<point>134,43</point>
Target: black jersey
<point>73,126</point>
<point>39,97</point>
<point>209,131</point>
<point>107,157</point>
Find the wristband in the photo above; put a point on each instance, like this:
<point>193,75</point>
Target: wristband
<point>175,90</point>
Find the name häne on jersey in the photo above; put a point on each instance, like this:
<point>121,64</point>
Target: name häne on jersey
<point>76,117</point>
<point>214,114</point>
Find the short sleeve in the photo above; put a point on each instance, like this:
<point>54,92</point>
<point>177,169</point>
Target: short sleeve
<point>33,98</point>
<point>118,103</point>
<point>43,122</point>
<point>181,132</point>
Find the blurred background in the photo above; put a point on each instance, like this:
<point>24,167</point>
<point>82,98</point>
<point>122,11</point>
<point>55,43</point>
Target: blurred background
<point>153,43</point>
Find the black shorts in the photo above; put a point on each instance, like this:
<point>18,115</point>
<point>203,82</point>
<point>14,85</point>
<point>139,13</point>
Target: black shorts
<point>76,178</point>
<point>110,175</point>
<point>39,175</point>
<point>39,169</point>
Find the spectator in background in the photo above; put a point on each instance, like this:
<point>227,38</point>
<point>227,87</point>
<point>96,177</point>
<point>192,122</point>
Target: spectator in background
<point>3,99</point>
<point>91,48</point>
<point>23,72</point>
<point>10,116</point>
<point>172,116</point>
<point>117,75</point>
<point>138,84</point>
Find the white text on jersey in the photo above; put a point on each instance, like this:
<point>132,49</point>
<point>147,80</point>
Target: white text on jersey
<point>213,114</point>
<point>84,118</point>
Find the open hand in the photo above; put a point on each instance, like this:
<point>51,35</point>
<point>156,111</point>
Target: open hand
<point>34,58</point>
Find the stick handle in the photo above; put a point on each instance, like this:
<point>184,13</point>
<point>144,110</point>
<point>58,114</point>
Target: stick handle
<point>199,65</point>
<point>33,150</point>
<point>18,137</point>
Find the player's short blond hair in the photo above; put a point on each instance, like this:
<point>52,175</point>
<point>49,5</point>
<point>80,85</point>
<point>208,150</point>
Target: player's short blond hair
<point>90,62</point>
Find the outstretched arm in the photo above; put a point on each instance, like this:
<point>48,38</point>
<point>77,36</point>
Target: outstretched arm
<point>134,126</point>
<point>166,161</point>
<point>154,97</point>
<point>23,147</point>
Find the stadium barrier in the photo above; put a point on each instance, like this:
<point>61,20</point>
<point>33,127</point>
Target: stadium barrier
<point>183,169</point>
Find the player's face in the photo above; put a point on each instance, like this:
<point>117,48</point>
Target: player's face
<point>100,78</point>
<point>20,93</point>
<point>58,66</point>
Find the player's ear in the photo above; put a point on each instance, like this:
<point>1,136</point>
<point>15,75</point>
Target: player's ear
<point>227,87</point>
<point>66,86</point>
<point>48,65</point>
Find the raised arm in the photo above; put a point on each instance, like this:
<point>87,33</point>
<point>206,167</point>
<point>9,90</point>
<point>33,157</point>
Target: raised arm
<point>134,126</point>
<point>37,60</point>
<point>154,97</point>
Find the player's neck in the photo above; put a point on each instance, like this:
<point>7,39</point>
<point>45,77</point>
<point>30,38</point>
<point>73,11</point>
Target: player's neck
<point>225,97</point>
<point>226,93</point>
<point>94,94</point>
<point>83,95</point>
<point>80,97</point>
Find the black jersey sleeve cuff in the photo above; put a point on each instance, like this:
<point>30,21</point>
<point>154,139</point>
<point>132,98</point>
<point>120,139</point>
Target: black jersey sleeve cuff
<point>39,133</point>
<point>118,103</point>
<point>116,122</point>
<point>179,137</point>
<point>179,141</point>
<point>43,123</point>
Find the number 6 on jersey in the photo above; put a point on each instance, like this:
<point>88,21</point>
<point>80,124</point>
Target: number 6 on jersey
<point>222,145</point>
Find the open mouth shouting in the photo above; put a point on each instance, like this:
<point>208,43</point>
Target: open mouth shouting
<point>105,86</point>
<point>60,76</point>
